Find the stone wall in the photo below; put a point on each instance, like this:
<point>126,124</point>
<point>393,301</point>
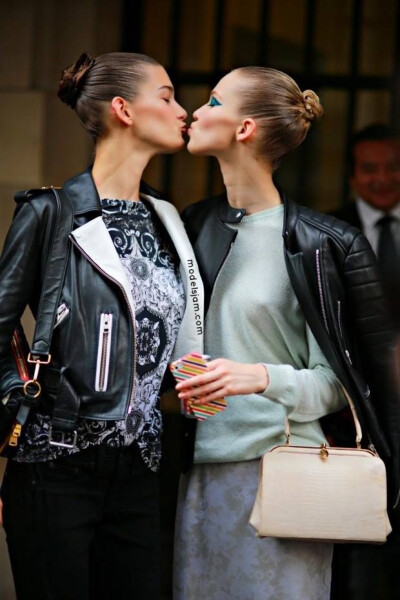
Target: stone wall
<point>41,141</point>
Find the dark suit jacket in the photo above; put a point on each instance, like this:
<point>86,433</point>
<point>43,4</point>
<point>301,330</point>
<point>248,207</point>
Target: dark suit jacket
<point>350,214</point>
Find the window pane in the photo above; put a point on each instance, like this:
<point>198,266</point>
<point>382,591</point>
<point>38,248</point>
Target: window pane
<point>240,33</point>
<point>372,107</point>
<point>197,35</point>
<point>378,37</point>
<point>156,29</point>
<point>325,179</point>
<point>333,31</point>
<point>313,174</point>
<point>286,27</point>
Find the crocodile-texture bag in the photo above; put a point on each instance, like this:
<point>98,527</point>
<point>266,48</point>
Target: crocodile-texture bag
<point>322,493</point>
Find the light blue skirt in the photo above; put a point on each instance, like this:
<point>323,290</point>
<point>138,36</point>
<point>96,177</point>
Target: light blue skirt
<point>218,556</point>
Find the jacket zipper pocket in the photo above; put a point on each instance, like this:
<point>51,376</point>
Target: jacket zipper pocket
<point>62,312</point>
<point>347,353</point>
<point>131,314</point>
<point>103,352</point>
<point>320,290</point>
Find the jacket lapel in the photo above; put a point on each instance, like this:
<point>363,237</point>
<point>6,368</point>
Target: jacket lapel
<point>191,331</point>
<point>95,242</point>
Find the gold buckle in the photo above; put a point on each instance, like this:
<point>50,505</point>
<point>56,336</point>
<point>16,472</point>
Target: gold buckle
<point>37,360</point>
<point>34,382</point>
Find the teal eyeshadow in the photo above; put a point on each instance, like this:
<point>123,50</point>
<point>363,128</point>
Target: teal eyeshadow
<point>214,102</point>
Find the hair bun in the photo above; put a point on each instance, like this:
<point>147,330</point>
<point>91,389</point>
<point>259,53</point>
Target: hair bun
<point>73,78</point>
<point>313,109</point>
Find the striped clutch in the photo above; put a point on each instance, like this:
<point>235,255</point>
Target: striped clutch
<point>188,366</point>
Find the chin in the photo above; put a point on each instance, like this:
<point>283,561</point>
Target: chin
<point>171,148</point>
<point>194,148</point>
<point>385,204</point>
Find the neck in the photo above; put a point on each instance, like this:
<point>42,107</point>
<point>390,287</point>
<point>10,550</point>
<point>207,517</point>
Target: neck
<point>249,184</point>
<point>118,168</point>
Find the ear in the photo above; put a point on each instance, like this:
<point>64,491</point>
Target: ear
<point>121,110</point>
<point>247,130</point>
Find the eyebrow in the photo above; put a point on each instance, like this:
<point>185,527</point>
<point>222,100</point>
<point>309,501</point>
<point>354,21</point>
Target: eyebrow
<point>215,93</point>
<point>167,87</point>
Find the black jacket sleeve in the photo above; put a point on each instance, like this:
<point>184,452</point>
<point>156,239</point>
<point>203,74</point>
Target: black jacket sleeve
<point>376,343</point>
<point>19,273</point>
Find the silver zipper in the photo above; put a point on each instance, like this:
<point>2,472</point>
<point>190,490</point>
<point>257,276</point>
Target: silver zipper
<point>103,352</point>
<point>347,353</point>
<point>339,305</point>
<point>321,295</point>
<point>62,312</point>
<point>132,316</point>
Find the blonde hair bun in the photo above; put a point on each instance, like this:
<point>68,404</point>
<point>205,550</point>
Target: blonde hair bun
<point>312,106</point>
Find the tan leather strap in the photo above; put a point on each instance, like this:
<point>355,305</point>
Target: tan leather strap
<point>353,412</point>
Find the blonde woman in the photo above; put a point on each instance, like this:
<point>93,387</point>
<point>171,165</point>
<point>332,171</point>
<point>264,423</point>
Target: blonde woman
<point>294,308</point>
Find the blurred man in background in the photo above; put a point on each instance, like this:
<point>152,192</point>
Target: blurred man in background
<point>375,179</point>
<point>367,571</point>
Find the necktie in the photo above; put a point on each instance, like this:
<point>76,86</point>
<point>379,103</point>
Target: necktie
<point>387,251</point>
<point>389,263</point>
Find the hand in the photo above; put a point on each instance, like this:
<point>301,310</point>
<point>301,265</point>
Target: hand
<point>224,378</point>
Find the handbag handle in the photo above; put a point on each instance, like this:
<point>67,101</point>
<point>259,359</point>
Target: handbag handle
<point>53,277</point>
<point>353,412</point>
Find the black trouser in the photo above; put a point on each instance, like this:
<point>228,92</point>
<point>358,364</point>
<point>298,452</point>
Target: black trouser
<point>367,571</point>
<point>83,527</point>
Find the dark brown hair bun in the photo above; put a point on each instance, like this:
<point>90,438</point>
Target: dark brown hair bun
<point>73,78</point>
<point>90,84</point>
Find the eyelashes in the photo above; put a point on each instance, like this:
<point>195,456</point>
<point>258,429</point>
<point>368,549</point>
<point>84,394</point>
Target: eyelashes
<point>214,102</point>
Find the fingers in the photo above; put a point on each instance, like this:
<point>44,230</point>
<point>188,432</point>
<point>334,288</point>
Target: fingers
<point>200,390</point>
<point>196,381</point>
<point>199,380</point>
<point>217,395</point>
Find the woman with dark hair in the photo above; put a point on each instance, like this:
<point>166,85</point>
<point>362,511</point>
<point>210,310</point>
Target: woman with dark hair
<point>81,509</point>
<point>294,310</point>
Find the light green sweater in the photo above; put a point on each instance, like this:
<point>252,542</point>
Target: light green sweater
<point>254,317</point>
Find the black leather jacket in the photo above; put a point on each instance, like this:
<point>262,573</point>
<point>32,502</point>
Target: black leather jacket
<point>94,285</point>
<point>333,274</point>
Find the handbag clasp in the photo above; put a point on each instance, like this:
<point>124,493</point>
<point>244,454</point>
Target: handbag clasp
<point>324,452</point>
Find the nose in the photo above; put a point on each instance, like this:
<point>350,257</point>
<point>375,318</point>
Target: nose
<point>196,115</point>
<point>182,114</point>
<point>381,175</point>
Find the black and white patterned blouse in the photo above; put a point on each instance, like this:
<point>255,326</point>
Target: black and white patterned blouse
<point>151,268</point>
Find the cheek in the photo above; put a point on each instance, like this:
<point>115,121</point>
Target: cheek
<point>362,180</point>
<point>156,118</point>
<point>214,132</point>
<point>160,128</point>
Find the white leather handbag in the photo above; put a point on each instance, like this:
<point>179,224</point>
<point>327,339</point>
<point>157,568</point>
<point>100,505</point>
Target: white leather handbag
<point>322,493</point>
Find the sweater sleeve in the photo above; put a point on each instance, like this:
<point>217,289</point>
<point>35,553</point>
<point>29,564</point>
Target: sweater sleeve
<point>309,393</point>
